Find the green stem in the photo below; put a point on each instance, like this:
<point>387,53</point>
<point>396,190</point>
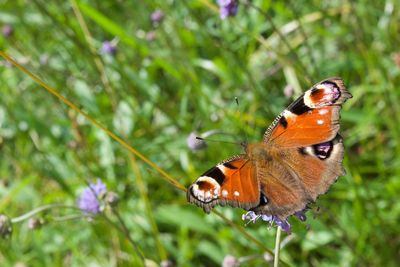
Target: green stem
<point>70,217</point>
<point>149,211</point>
<point>125,230</point>
<point>39,210</point>
<point>282,38</point>
<point>277,246</point>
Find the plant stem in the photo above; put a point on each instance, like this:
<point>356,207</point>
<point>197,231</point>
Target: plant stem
<point>277,246</point>
<point>39,210</point>
<point>148,209</point>
<point>125,230</point>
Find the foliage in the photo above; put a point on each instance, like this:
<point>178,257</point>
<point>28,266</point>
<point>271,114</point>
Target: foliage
<point>169,77</point>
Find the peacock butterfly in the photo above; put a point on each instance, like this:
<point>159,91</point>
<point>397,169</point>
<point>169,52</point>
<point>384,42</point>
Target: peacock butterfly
<point>299,158</point>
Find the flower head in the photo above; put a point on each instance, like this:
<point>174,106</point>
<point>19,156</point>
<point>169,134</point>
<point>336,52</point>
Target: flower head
<point>112,199</point>
<point>194,143</point>
<point>166,263</point>
<point>288,91</point>
<point>109,48</point>
<point>44,59</point>
<point>301,215</point>
<point>227,8</point>
<point>157,16</point>
<point>89,199</point>
<point>35,223</point>
<point>230,261</point>
<point>251,216</point>
<point>7,30</point>
<point>151,36</point>
<point>5,226</point>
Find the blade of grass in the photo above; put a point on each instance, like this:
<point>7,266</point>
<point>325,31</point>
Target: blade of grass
<point>109,25</point>
<point>97,61</point>
<point>149,211</point>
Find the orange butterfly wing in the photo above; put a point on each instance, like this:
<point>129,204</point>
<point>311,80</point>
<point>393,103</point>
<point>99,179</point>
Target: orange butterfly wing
<point>312,119</point>
<point>231,182</point>
<point>307,149</point>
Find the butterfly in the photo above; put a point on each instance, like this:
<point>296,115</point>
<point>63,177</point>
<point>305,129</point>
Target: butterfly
<point>299,158</point>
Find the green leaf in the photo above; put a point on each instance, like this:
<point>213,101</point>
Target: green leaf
<point>108,25</point>
<point>183,217</point>
<point>123,119</point>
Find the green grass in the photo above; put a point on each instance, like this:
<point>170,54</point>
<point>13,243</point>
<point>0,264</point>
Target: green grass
<point>154,93</point>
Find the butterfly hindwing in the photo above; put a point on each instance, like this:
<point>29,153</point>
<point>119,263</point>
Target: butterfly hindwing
<point>299,176</point>
<point>231,182</point>
<point>311,119</point>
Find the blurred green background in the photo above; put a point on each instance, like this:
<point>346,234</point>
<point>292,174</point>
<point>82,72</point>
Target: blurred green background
<point>158,80</point>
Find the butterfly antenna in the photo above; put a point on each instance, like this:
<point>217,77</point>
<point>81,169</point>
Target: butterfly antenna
<point>243,131</point>
<point>213,140</point>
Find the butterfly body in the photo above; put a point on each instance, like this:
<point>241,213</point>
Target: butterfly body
<point>299,159</point>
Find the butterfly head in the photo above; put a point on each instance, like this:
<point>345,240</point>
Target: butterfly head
<point>259,152</point>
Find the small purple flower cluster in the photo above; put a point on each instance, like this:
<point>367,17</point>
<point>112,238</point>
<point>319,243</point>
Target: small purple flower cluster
<point>227,8</point>
<point>157,17</point>
<point>194,143</point>
<point>89,199</point>
<point>7,30</point>
<point>109,47</point>
<point>251,216</point>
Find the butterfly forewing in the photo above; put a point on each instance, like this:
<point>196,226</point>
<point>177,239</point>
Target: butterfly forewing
<point>312,119</point>
<point>232,182</point>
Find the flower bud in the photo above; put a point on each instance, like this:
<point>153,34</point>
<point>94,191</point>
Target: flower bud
<point>35,223</point>
<point>230,261</point>
<point>157,16</point>
<point>109,47</point>
<point>166,263</point>
<point>112,199</point>
<point>5,226</point>
<point>193,143</point>
<point>7,31</point>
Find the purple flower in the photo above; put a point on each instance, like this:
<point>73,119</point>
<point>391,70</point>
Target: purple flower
<point>44,59</point>
<point>166,263</point>
<point>35,223</point>
<point>151,36</point>
<point>301,215</point>
<point>227,8</point>
<point>157,16</point>
<point>230,261</point>
<point>193,143</point>
<point>89,199</point>
<point>7,30</point>
<point>288,91</point>
<point>196,141</point>
<point>251,216</point>
<point>109,48</point>
<point>284,224</point>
